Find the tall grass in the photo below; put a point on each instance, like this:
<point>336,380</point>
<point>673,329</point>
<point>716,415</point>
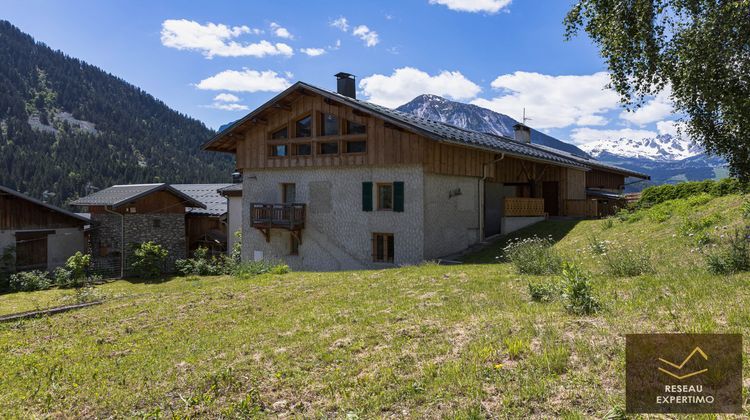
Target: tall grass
<point>533,255</point>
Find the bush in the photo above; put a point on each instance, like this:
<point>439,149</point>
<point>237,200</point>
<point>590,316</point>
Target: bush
<point>75,273</point>
<point>734,257</point>
<point>577,292</point>
<point>29,281</point>
<point>628,263</point>
<point>533,256</point>
<point>254,268</point>
<point>149,260</point>
<point>661,193</point>
<point>543,291</point>
<point>202,265</point>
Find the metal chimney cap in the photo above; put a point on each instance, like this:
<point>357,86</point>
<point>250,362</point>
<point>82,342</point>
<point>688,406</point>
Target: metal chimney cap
<point>344,75</point>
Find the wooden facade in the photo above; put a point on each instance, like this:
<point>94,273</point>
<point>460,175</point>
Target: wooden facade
<point>156,202</point>
<point>19,214</point>
<point>599,179</point>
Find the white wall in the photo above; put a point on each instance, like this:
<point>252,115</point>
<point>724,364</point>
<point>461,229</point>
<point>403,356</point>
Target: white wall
<point>60,245</point>
<point>337,234</point>
<point>451,221</point>
<point>234,220</point>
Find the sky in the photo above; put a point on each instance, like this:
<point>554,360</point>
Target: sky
<point>216,61</point>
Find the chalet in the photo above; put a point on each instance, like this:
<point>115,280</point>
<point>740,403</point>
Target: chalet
<point>36,235</point>
<point>206,227</point>
<point>331,182</point>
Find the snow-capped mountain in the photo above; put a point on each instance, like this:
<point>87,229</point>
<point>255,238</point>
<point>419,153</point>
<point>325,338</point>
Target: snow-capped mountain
<point>660,148</point>
<point>476,118</point>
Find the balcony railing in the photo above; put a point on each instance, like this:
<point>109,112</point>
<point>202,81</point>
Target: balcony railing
<point>277,216</point>
<point>523,207</point>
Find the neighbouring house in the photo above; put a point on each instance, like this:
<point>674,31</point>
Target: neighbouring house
<point>123,216</point>
<point>331,182</point>
<point>206,227</point>
<point>36,235</point>
<point>233,195</point>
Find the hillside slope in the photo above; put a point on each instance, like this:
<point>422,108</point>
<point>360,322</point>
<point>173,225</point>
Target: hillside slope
<point>462,341</point>
<point>67,127</point>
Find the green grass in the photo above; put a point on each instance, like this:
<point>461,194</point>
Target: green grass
<point>424,341</point>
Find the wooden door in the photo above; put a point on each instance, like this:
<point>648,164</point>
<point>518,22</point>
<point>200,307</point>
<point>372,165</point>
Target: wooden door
<point>31,250</point>
<point>551,195</point>
<point>289,193</point>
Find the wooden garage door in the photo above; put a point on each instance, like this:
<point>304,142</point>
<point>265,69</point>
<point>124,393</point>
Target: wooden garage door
<point>31,250</point>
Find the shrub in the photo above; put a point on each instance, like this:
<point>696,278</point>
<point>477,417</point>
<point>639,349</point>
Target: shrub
<point>149,260</point>
<point>597,246</point>
<point>661,193</point>
<point>533,256</point>
<point>733,257</point>
<point>608,223</point>
<point>545,291</point>
<point>75,273</point>
<point>280,269</point>
<point>29,281</point>
<point>628,263</point>
<point>254,268</point>
<point>577,292</point>
<point>202,265</point>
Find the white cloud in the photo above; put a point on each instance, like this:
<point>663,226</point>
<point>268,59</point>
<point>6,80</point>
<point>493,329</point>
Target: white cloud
<point>655,110</point>
<point>216,40</point>
<point>407,82</point>
<point>228,107</point>
<point>245,81</point>
<point>366,34</point>
<point>289,74</point>
<point>340,23</point>
<point>280,31</point>
<point>589,135</point>
<point>226,97</point>
<point>474,6</point>
<point>313,52</point>
<point>553,101</point>
<point>673,128</point>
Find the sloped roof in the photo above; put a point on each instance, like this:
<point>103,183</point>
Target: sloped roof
<point>604,194</point>
<point>589,161</point>
<point>208,194</point>
<point>117,195</point>
<point>232,188</point>
<point>43,204</point>
<point>435,130</point>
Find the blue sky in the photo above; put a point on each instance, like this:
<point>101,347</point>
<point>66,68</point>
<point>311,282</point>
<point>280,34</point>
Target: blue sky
<point>217,60</point>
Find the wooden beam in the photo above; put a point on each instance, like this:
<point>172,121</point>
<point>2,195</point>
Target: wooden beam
<point>281,106</point>
<point>331,102</point>
<point>260,121</point>
<point>360,113</point>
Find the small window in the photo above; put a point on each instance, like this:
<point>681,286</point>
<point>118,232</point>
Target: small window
<point>304,127</point>
<point>330,148</point>
<point>329,125</point>
<point>278,150</point>
<point>356,147</point>
<point>282,133</point>
<point>354,128</point>
<point>302,149</point>
<point>385,196</point>
<point>382,247</point>
<point>156,223</point>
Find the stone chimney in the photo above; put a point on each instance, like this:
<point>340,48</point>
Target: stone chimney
<point>345,85</point>
<point>523,133</point>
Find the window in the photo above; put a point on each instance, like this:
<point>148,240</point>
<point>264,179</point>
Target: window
<point>382,247</point>
<point>293,245</point>
<point>282,133</point>
<point>329,125</point>
<point>303,149</point>
<point>356,147</point>
<point>385,197</point>
<point>354,128</point>
<point>156,223</point>
<point>288,193</point>
<point>330,148</point>
<point>278,150</point>
<point>304,127</point>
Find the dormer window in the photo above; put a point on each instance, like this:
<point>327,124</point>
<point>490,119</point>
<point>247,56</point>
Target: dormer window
<point>329,125</point>
<point>282,133</point>
<point>303,127</point>
<point>354,128</point>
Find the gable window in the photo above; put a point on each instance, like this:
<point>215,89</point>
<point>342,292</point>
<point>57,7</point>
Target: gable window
<point>385,197</point>
<point>329,148</point>
<point>329,125</point>
<point>354,128</point>
<point>304,149</point>
<point>278,150</point>
<point>382,247</point>
<point>281,133</point>
<point>303,127</point>
<point>356,147</point>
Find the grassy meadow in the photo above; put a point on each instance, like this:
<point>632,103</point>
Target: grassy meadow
<point>462,341</point>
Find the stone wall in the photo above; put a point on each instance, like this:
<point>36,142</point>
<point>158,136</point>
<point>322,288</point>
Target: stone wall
<point>338,233</point>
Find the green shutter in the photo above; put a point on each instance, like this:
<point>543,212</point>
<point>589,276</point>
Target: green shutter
<point>367,196</point>
<point>398,196</point>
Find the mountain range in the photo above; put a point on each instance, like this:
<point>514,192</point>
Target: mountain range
<point>68,128</point>
<point>666,158</point>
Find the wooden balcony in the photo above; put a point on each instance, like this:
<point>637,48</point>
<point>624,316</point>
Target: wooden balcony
<point>267,216</point>
<point>523,207</point>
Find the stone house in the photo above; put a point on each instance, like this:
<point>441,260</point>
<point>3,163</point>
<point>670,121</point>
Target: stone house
<point>35,235</point>
<point>331,182</point>
<point>126,215</point>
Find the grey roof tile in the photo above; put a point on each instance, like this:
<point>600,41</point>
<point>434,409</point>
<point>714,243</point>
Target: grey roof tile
<point>118,195</point>
<point>208,194</point>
